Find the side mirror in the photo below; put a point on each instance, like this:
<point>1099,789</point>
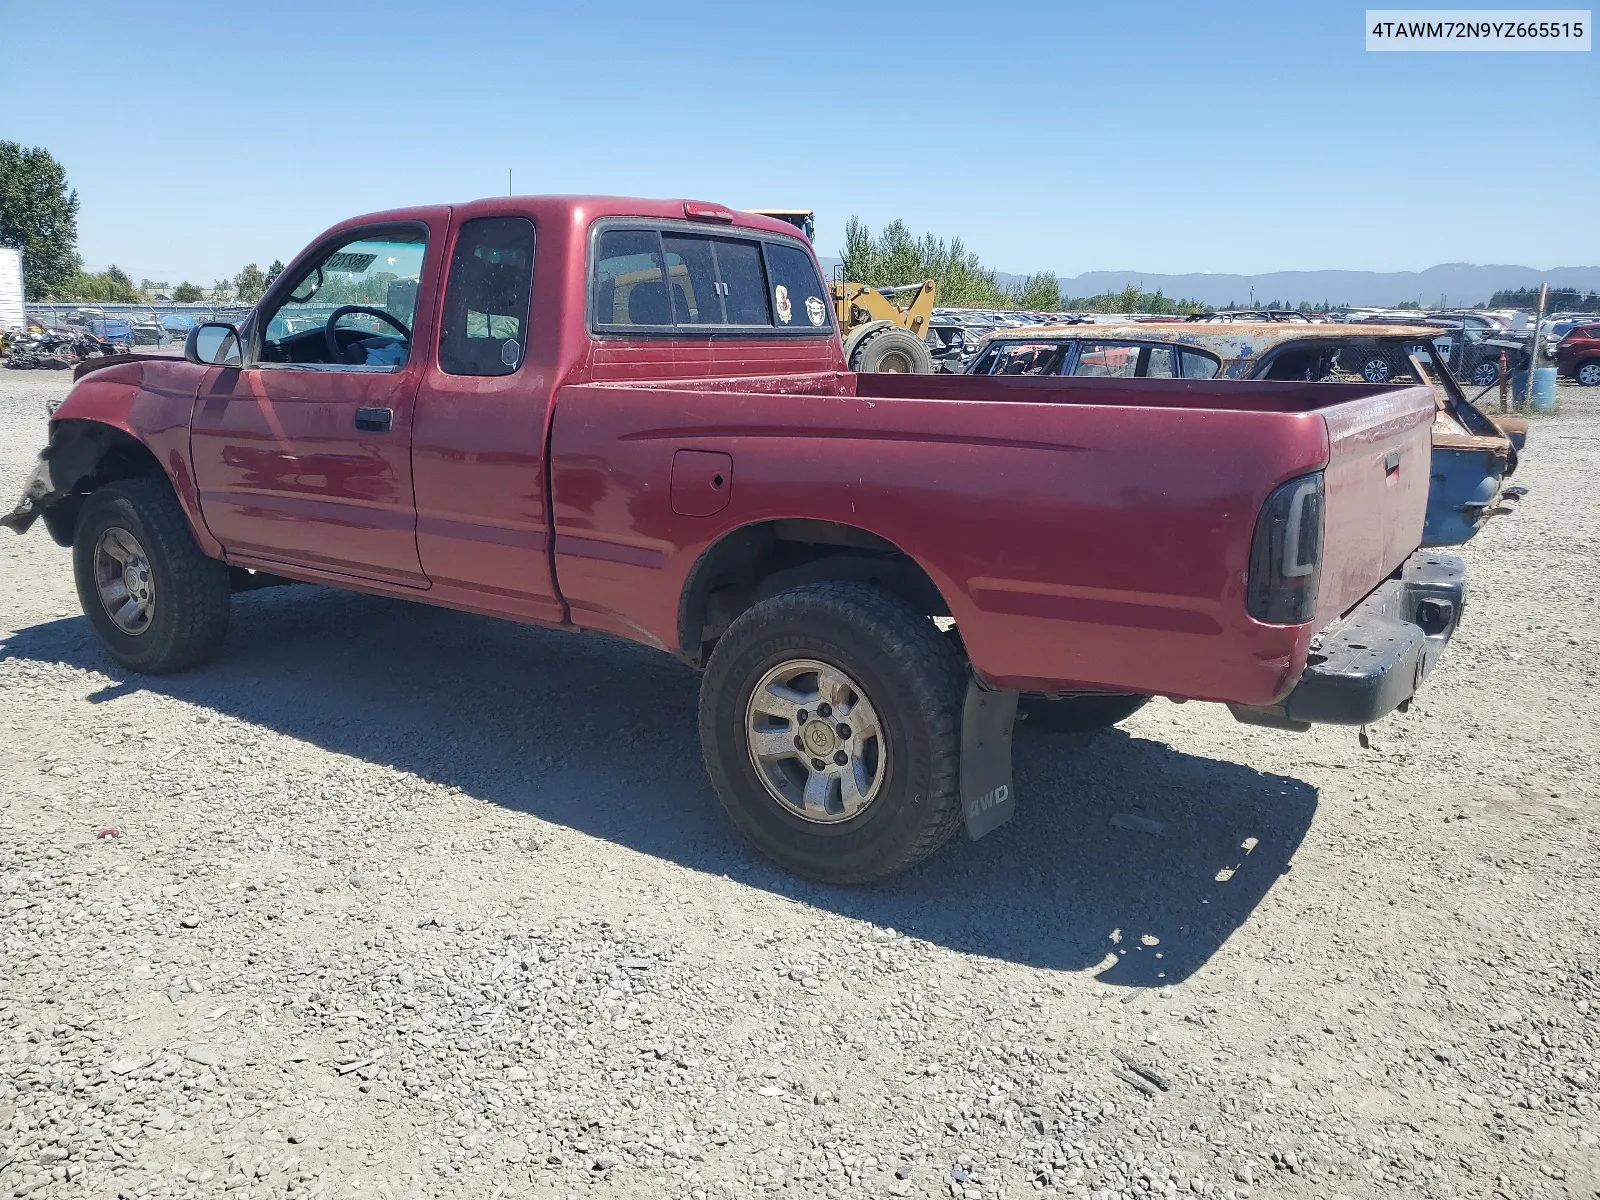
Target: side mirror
<point>214,344</point>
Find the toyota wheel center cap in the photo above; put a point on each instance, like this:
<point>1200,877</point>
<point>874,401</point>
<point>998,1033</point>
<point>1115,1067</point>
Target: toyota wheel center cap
<point>819,737</point>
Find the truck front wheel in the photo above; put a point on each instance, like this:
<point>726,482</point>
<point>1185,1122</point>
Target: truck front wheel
<point>156,601</point>
<point>830,722</point>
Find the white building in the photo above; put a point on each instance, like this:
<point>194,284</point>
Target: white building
<point>11,316</point>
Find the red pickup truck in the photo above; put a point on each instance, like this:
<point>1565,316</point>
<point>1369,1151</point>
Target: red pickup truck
<point>633,417</point>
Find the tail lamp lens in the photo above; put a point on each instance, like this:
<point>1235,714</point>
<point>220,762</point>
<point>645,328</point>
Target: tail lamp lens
<point>1286,556</point>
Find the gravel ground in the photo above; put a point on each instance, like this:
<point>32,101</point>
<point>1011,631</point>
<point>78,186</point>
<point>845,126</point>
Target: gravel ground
<point>406,902</point>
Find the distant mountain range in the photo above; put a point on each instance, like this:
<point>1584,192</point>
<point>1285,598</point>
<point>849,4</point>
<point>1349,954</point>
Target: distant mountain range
<point>1449,284</point>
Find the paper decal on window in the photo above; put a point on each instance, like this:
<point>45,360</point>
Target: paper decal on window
<point>510,352</point>
<point>780,301</point>
<point>815,311</point>
<point>347,261</point>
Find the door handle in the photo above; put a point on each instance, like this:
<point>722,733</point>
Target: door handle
<point>374,420</point>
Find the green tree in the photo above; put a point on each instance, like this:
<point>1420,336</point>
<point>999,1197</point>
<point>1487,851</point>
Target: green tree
<point>1132,300</point>
<point>187,293</point>
<point>1408,304</point>
<point>274,271</point>
<point>39,216</point>
<point>111,286</point>
<point>221,289</point>
<point>122,285</point>
<point>894,258</point>
<point>1127,300</point>
<point>1040,293</point>
<point>250,283</point>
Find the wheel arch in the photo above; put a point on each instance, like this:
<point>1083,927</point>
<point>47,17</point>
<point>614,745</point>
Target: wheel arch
<point>756,560</point>
<point>82,455</point>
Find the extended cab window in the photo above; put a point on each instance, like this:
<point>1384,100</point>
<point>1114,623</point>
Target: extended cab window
<point>486,298</point>
<point>685,279</point>
<point>354,307</point>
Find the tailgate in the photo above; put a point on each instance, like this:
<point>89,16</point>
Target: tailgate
<point>1376,481</point>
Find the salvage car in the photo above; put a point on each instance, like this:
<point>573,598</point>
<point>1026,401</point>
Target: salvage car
<point>871,571</point>
<point>1577,354</point>
<point>1473,454</point>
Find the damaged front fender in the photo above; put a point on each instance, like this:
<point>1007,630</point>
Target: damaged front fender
<point>37,495</point>
<point>75,454</point>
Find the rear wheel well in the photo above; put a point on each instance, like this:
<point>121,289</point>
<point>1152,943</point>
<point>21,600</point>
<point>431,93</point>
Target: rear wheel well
<point>757,561</point>
<point>84,456</point>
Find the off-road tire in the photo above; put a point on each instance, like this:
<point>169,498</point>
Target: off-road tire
<point>192,591</point>
<point>914,679</point>
<point>1079,714</point>
<point>897,351</point>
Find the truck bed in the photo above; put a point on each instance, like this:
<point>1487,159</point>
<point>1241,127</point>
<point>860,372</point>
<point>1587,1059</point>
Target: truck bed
<point>1089,533</point>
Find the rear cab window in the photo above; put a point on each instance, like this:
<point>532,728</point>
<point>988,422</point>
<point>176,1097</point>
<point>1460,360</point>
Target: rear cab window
<point>666,277</point>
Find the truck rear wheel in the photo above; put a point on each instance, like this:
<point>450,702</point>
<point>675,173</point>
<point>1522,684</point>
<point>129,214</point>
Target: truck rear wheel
<point>893,351</point>
<point>1079,714</point>
<point>156,601</point>
<point>830,722</point>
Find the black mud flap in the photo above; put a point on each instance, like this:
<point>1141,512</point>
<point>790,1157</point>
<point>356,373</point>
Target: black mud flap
<point>988,797</point>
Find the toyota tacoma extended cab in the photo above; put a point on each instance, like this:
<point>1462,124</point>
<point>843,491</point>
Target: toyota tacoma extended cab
<point>634,417</point>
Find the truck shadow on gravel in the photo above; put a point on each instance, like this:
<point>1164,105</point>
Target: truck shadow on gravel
<point>1125,854</point>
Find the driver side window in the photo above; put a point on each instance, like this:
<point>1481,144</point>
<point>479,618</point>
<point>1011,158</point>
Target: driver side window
<point>354,308</point>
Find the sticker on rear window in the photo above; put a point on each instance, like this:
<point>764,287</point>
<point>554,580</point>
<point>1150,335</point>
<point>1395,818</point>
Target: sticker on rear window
<point>509,352</point>
<point>815,311</point>
<point>780,301</point>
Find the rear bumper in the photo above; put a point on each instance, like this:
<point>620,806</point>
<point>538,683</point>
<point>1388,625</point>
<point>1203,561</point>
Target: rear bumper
<point>1373,660</point>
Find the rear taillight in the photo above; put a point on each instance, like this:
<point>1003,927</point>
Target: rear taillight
<point>1286,556</point>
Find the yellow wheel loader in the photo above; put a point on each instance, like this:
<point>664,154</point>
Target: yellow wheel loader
<point>879,335</point>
